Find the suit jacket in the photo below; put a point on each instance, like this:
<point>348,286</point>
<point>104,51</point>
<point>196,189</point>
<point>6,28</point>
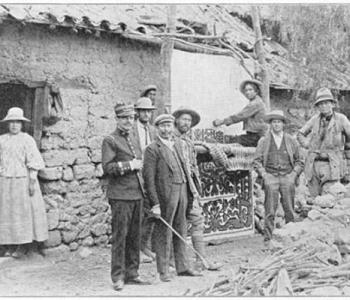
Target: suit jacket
<point>117,152</point>
<point>262,151</point>
<point>152,133</point>
<point>158,172</point>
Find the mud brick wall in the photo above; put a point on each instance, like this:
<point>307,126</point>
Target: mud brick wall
<point>92,73</point>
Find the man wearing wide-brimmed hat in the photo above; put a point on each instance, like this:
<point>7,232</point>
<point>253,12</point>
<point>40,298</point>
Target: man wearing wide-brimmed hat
<point>252,115</point>
<point>145,133</point>
<point>278,161</point>
<point>150,91</point>
<point>327,137</point>
<point>166,185</point>
<point>185,119</point>
<point>122,162</point>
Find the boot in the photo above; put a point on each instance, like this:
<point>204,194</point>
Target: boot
<point>199,245</point>
<point>21,250</point>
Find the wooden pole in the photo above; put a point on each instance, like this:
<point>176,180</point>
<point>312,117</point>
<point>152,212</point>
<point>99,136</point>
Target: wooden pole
<point>166,53</point>
<point>259,51</point>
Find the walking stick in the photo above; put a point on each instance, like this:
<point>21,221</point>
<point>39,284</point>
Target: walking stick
<point>204,261</point>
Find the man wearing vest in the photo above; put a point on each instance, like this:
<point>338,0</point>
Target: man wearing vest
<point>185,119</point>
<point>121,162</point>
<point>145,133</point>
<point>328,159</point>
<point>166,185</point>
<point>278,161</point>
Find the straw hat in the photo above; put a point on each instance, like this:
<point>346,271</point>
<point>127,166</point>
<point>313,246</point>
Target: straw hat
<point>275,115</point>
<point>186,110</point>
<point>252,81</point>
<point>144,103</point>
<point>15,114</point>
<point>324,94</point>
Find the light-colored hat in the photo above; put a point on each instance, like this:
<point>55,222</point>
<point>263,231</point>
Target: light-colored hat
<point>124,110</point>
<point>147,89</point>
<point>144,103</point>
<point>252,81</point>
<point>275,115</point>
<point>15,114</point>
<point>324,94</point>
<point>164,118</point>
<point>186,110</point>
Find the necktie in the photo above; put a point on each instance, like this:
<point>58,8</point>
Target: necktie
<point>146,135</point>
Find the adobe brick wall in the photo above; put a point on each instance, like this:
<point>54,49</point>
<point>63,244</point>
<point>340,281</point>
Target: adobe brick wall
<point>92,73</point>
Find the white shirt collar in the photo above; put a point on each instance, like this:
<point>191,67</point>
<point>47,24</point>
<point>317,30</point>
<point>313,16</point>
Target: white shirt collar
<point>278,138</point>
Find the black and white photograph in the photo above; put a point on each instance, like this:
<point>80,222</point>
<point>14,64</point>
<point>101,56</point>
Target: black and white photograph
<point>174,149</point>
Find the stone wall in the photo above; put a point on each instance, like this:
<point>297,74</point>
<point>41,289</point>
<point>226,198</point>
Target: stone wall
<point>92,73</point>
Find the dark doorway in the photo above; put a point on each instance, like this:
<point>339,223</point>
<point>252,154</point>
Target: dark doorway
<point>18,95</point>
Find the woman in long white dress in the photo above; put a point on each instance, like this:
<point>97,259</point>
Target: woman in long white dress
<point>22,209</point>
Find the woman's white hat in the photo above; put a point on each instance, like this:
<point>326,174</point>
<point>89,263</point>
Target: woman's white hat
<point>15,114</point>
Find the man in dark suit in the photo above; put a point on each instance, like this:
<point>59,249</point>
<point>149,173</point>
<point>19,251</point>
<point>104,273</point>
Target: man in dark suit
<point>145,133</point>
<point>166,186</point>
<point>121,162</point>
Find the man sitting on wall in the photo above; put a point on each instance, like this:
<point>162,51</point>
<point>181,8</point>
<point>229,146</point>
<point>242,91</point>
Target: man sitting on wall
<point>121,162</point>
<point>252,115</point>
<point>166,186</point>
<point>150,92</point>
<point>145,133</point>
<point>278,161</point>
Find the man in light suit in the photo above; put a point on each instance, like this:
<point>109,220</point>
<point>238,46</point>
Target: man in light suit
<point>145,133</point>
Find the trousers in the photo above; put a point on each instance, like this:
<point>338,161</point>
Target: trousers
<point>174,212</point>
<point>195,219</point>
<point>126,238</point>
<point>283,187</point>
<point>321,178</point>
<point>250,139</point>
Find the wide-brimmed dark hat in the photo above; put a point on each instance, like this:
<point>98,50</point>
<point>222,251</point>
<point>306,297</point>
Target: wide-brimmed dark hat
<point>252,81</point>
<point>144,103</point>
<point>124,110</point>
<point>324,94</point>
<point>15,114</point>
<point>275,115</point>
<point>164,118</point>
<point>147,89</point>
<point>186,110</point>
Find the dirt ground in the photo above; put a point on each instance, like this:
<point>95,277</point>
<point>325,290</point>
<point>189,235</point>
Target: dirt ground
<point>68,274</point>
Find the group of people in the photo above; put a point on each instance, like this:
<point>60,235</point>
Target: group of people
<point>154,179</point>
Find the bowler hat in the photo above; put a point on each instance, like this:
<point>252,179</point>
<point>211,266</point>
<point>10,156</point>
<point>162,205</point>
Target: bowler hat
<point>324,94</point>
<point>144,103</point>
<point>275,115</point>
<point>15,114</point>
<point>186,110</point>
<point>164,118</point>
<point>251,81</point>
<point>124,110</point>
<point>147,89</point>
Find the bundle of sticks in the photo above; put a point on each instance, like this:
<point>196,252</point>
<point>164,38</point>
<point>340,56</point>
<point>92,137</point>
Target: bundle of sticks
<point>301,268</point>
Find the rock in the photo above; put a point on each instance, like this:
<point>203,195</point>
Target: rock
<point>54,173</point>
<point>55,158</point>
<point>314,214</point>
<point>99,229</point>
<point>337,190</point>
<point>68,174</point>
<point>99,171</point>
<point>344,249</point>
<point>84,171</point>
<point>69,236</point>
<point>54,239</point>
<point>59,251</point>
<point>346,290</point>
<point>84,233</point>
<point>326,291</point>
<point>74,220</point>
<point>342,236</point>
<point>73,246</point>
<point>103,239</point>
<point>345,202</point>
<point>84,210</point>
<point>54,187</point>
<point>96,156</point>
<point>88,242</point>
<point>53,200</point>
<point>85,252</point>
<point>325,201</point>
<point>53,219</point>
